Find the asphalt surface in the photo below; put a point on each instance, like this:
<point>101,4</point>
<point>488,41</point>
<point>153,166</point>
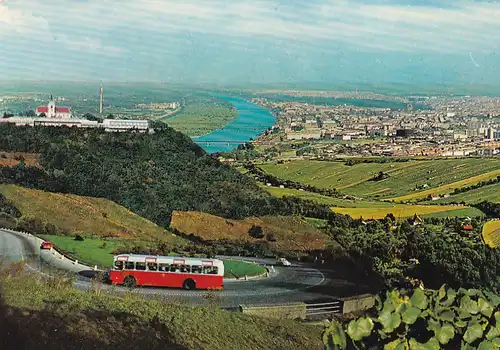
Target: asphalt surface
<point>299,282</point>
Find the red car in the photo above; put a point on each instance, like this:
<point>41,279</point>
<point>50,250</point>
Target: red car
<point>46,245</point>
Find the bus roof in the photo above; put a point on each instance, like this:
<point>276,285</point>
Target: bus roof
<point>167,259</point>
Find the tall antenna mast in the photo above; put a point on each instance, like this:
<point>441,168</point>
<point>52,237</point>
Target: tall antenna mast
<point>100,99</point>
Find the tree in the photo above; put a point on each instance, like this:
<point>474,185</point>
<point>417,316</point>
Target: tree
<point>42,115</point>
<point>7,115</point>
<point>31,113</point>
<point>111,116</point>
<point>256,231</point>
<point>92,117</point>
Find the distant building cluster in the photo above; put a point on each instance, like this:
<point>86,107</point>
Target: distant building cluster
<point>451,127</point>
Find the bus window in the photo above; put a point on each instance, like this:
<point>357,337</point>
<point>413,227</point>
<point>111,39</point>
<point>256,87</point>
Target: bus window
<point>141,266</point>
<point>118,265</point>
<point>185,268</point>
<point>164,267</point>
<point>195,269</point>
<point>210,270</point>
<point>152,266</point>
<point>174,268</point>
<point>129,265</point>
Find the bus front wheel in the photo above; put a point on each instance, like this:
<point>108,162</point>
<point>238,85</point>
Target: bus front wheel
<point>129,282</point>
<point>189,284</point>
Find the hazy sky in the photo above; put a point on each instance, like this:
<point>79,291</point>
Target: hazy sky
<point>251,41</point>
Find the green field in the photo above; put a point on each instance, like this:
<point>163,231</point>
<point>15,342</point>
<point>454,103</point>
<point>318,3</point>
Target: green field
<point>96,251</point>
<point>201,118</point>
<point>376,209</point>
<point>236,268</point>
<point>331,201</point>
<point>403,177</point>
<point>490,193</point>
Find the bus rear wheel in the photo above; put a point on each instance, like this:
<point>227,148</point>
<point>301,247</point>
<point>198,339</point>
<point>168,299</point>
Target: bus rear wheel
<point>130,282</point>
<point>188,284</point>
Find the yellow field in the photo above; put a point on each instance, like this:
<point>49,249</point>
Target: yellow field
<point>491,233</point>
<point>398,210</point>
<point>80,214</point>
<point>448,187</point>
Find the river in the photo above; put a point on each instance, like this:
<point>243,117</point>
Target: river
<point>251,121</point>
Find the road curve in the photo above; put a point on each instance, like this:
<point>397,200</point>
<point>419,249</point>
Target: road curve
<point>294,283</point>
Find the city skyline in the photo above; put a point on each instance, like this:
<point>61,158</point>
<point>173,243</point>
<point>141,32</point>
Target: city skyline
<point>221,41</point>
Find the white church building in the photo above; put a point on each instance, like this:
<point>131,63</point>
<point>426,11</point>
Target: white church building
<point>53,111</point>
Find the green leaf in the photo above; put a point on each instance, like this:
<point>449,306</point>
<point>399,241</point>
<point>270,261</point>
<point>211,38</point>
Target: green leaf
<point>473,332</point>
<point>410,315</point>
<point>484,307</point>
<point>378,303</point>
<point>468,305</point>
<point>452,294</point>
<point>460,323</point>
<point>445,333</point>
<point>446,315</point>
<point>432,344</point>
<point>337,334</point>
<point>419,299</point>
<point>493,333</point>
<point>360,328</point>
<point>433,325</point>
<point>486,345</point>
<point>390,321</point>
<point>442,292</point>
<point>496,341</point>
<point>397,344</point>
<point>463,314</point>
<point>492,298</point>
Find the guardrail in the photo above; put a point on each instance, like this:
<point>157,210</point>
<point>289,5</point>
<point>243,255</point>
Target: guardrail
<point>334,307</point>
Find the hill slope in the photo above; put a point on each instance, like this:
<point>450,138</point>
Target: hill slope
<point>150,174</point>
<point>72,214</point>
<point>291,233</point>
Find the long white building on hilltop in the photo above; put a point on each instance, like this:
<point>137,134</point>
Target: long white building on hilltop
<point>61,116</point>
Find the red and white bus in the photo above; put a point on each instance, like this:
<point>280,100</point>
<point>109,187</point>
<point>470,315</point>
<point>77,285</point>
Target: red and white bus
<point>166,271</point>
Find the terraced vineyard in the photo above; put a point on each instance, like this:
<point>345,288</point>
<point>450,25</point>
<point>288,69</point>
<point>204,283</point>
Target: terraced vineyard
<point>489,193</point>
<point>377,209</point>
<point>491,233</point>
<point>403,177</point>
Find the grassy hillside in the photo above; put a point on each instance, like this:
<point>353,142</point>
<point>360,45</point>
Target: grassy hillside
<point>291,233</point>
<point>87,215</point>
<point>490,193</point>
<point>37,314</point>
<point>491,233</point>
<point>403,177</point>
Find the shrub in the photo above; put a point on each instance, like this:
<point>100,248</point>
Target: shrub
<point>271,236</point>
<point>79,238</point>
<point>256,231</point>
<point>423,319</point>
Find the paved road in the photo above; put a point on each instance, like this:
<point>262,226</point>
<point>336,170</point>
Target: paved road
<point>294,283</point>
